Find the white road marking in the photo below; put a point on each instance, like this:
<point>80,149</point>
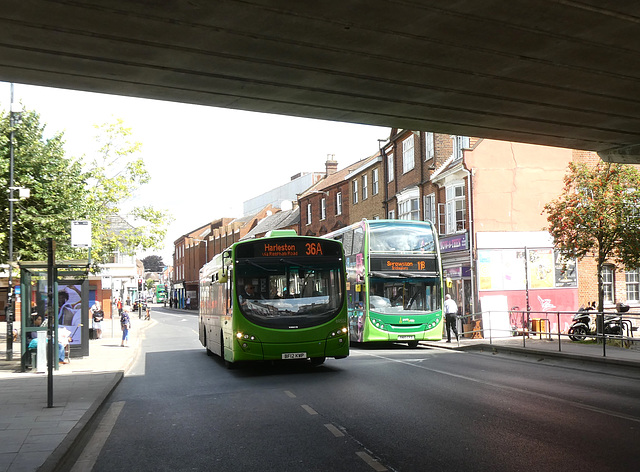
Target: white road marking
<point>89,455</point>
<point>335,431</point>
<point>309,410</point>
<point>290,394</point>
<point>374,464</point>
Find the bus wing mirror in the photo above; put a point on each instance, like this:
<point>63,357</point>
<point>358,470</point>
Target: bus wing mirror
<point>222,273</point>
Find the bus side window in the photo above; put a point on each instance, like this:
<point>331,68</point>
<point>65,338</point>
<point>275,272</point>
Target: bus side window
<point>358,239</point>
<point>347,243</point>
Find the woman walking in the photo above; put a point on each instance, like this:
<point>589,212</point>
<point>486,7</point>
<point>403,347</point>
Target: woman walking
<point>125,324</point>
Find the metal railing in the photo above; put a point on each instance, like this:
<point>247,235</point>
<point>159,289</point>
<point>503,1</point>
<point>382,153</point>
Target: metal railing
<point>606,328</point>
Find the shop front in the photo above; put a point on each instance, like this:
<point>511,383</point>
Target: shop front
<point>454,251</point>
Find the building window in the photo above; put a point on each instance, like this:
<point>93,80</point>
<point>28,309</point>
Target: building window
<point>323,208</point>
<point>409,209</point>
<point>455,208</point>
<point>390,167</point>
<point>408,161</point>
<point>607,283</point>
<point>308,213</point>
<point>430,148</point>
<point>460,143</point>
<point>391,214</point>
<point>632,278</point>
<point>430,208</point>
<point>365,187</point>
<point>355,191</point>
<point>339,203</point>
<point>374,182</point>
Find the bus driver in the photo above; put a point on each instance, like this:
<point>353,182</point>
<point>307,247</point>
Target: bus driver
<point>249,293</point>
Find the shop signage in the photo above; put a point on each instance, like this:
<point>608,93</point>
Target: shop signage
<point>458,242</point>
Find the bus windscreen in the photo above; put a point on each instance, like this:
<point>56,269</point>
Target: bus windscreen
<point>283,293</point>
<point>396,237</point>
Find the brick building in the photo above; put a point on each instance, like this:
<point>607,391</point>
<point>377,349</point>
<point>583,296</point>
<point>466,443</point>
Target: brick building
<point>366,190</point>
<point>469,186</point>
<point>326,205</point>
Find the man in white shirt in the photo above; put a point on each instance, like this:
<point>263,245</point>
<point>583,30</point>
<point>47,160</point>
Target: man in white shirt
<point>450,314</point>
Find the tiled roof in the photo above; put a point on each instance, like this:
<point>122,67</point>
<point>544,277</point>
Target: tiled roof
<point>282,219</point>
<point>337,177</point>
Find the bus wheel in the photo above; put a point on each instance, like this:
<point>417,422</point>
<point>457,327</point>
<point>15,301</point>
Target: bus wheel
<point>413,344</point>
<point>317,360</point>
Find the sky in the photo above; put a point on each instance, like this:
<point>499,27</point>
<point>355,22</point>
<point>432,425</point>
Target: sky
<point>204,161</point>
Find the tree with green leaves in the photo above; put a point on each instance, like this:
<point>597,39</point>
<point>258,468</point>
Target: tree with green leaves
<point>62,190</point>
<point>153,263</point>
<point>598,214</point>
<point>150,284</point>
<point>57,187</point>
<point>114,175</point>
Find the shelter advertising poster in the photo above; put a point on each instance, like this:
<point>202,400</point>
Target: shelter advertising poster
<point>506,269</point>
<point>70,311</point>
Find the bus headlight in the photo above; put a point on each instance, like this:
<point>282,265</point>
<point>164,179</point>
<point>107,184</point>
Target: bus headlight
<point>340,332</point>
<point>245,337</point>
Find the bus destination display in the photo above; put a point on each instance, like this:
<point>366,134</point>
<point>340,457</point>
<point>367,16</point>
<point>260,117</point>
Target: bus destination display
<point>289,248</point>
<point>403,264</point>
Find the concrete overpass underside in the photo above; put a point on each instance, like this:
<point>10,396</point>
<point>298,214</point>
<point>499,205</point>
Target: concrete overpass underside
<point>556,72</point>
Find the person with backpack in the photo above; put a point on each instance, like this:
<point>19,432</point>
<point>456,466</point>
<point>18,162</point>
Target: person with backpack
<point>125,325</point>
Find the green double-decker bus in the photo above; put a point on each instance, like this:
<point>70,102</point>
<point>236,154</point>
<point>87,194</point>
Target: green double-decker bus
<point>394,281</point>
<point>281,297</point>
<point>160,293</point>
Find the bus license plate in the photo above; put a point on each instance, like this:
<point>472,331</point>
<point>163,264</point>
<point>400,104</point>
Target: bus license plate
<point>406,338</point>
<point>294,355</point>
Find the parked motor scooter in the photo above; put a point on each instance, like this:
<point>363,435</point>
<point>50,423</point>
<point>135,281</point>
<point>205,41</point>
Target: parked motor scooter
<point>581,327</point>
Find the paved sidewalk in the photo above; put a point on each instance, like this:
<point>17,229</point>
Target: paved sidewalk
<point>35,437</point>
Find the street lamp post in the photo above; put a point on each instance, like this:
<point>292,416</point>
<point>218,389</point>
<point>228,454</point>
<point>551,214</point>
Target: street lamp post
<point>10,307</point>
<point>22,193</point>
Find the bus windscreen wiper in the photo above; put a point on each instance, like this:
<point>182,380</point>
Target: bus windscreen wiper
<point>297,264</point>
<point>259,266</point>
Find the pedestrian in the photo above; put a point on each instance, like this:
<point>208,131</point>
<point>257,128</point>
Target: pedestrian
<point>125,325</point>
<point>450,314</point>
<point>119,307</point>
<point>97,315</point>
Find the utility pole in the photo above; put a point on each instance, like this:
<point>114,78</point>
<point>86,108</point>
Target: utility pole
<point>10,312</point>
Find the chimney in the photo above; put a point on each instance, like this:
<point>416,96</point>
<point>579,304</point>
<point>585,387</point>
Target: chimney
<point>331,165</point>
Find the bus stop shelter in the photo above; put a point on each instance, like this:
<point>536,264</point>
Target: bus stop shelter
<point>70,308</point>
